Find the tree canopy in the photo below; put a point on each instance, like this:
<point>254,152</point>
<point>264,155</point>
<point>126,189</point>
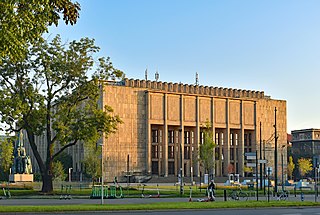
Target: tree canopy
<point>51,93</point>
<point>206,152</point>
<point>22,22</point>
<point>305,166</point>
<point>6,154</point>
<point>290,167</point>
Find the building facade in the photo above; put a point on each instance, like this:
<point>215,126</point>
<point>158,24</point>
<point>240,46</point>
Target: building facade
<point>163,125</point>
<point>306,144</point>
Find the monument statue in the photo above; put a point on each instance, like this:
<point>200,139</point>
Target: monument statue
<point>22,162</point>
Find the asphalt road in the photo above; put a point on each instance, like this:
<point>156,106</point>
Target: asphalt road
<point>264,211</point>
<point>75,201</point>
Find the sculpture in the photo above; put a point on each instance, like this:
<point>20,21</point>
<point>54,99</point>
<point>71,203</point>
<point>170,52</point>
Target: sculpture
<point>22,162</point>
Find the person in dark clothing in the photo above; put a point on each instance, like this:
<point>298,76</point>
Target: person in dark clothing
<point>211,191</point>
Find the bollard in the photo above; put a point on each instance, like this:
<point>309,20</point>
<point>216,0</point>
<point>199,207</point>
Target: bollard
<point>294,190</point>
<point>225,195</point>
<point>302,197</point>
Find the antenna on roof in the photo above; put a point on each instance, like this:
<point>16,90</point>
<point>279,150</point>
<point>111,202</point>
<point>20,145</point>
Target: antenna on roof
<point>146,74</point>
<point>156,76</point>
<point>197,78</point>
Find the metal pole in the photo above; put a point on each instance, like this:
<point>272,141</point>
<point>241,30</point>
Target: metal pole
<point>260,158</point>
<point>257,175</point>
<point>268,185</point>
<point>181,163</point>
<point>102,174</point>
<point>128,174</point>
<point>315,180</point>
<point>282,170</point>
<point>264,168</point>
<point>70,174</point>
<point>275,152</point>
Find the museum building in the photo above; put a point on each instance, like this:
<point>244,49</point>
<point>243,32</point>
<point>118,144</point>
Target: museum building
<point>164,123</point>
<point>163,126</point>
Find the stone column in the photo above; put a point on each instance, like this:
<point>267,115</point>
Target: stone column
<point>148,134</point>
<point>214,135</point>
<point>241,142</point>
<point>226,146</point>
<point>165,137</point>
<point>197,139</point>
<point>181,133</point>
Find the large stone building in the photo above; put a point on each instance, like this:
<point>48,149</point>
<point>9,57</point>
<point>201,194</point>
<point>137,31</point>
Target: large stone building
<point>306,144</point>
<point>163,125</point>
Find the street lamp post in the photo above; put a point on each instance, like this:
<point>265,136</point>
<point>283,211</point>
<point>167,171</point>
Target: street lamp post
<point>275,152</point>
<point>261,172</point>
<point>282,177</point>
<point>181,163</point>
<point>70,171</point>
<point>101,144</point>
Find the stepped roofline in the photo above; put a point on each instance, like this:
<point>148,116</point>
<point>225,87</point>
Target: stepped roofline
<point>190,88</point>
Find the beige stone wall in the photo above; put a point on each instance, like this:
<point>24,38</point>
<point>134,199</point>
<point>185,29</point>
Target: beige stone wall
<point>129,104</point>
<point>205,110</point>
<point>234,113</point>
<point>248,113</point>
<point>266,115</point>
<point>174,108</point>
<point>190,109</point>
<point>156,101</point>
<point>220,112</point>
<point>228,113</point>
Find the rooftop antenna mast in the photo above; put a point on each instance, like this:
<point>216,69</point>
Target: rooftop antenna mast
<point>146,74</point>
<point>156,76</point>
<point>197,78</point>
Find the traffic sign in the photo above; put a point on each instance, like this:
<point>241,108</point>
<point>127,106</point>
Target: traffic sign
<point>262,161</point>
<point>251,164</point>
<point>251,157</point>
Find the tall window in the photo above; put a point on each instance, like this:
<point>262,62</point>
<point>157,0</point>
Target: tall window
<point>186,152</point>
<point>249,140</point>
<point>171,136</point>
<point>217,140</point>
<point>236,139</point>
<point>171,152</point>
<point>231,154</point>
<point>192,137</point>
<point>222,139</point>
<point>231,139</point>
<point>187,137</point>
<point>245,139</point>
<point>201,137</point>
<point>154,134</point>
<point>154,151</point>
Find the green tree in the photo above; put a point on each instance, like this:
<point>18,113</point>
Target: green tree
<point>50,93</point>
<point>206,152</point>
<point>6,155</point>
<point>58,172</point>
<point>22,22</point>
<point>305,166</point>
<point>65,159</point>
<point>92,161</point>
<point>290,167</point>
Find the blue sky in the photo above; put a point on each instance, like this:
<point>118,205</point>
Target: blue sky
<point>267,45</point>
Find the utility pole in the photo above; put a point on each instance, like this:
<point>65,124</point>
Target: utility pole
<point>261,172</point>
<point>275,152</point>
<point>181,164</point>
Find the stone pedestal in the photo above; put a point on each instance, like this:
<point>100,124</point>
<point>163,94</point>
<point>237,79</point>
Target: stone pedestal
<point>21,178</point>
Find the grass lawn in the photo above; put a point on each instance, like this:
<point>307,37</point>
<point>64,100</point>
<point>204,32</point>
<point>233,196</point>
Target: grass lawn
<point>135,191</point>
<point>156,206</point>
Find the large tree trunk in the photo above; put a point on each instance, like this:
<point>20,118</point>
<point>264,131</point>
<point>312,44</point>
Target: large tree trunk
<point>47,183</point>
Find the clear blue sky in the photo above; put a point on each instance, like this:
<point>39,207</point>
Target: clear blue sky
<point>267,45</point>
